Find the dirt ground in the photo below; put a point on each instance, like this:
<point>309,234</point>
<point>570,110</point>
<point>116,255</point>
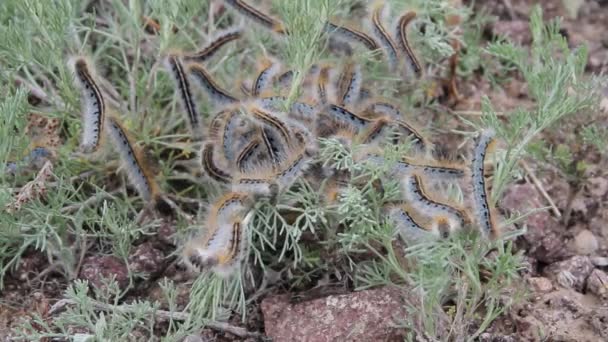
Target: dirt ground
<point>567,256</point>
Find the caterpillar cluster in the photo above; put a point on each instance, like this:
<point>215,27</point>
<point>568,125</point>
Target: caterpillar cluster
<point>255,146</point>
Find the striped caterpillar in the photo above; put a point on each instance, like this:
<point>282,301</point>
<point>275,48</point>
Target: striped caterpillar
<point>483,211</point>
<point>93,105</point>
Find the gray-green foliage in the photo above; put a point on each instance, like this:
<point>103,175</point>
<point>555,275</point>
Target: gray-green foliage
<point>41,34</point>
<point>556,83</point>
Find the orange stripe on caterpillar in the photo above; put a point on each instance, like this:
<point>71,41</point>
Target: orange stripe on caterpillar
<point>349,84</point>
<point>419,198</point>
<point>257,16</point>
<point>221,38</point>
<point>133,160</point>
<point>385,39</point>
<point>268,71</point>
<point>210,165</point>
<point>404,45</point>
<point>217,94</point>
<point>351,34</point>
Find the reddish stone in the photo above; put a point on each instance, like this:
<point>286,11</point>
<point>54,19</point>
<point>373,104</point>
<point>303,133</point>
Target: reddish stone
<point>359,316</point>
<point>543,240</point>
<point>146,259</point>
<point>571,273</point>
<point>96,269</point>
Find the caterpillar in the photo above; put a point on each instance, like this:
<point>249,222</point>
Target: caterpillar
<point>210,165</point>
<point>133,160</point>
<point>93,108</point>
<point>176,68</point>
<point>390,47</point>
<point>343,115</point>
<point>411,60</point>
<point>351,35</point>
<point>483,210</point>
<point>257,16</point>
<point>222,38</point>
<point>349,84</point>
<point>217,94</point>
<point>263,81</point>
<point>222,244</point>
<point>417,195</point>
<point>407,226</point>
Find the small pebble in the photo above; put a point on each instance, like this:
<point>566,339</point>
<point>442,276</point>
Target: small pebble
<point>597,283</point>
<point>540,284</point>
<point>585,243</point>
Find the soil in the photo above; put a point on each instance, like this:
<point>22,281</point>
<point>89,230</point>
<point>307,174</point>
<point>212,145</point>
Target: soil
<point>567,275</point>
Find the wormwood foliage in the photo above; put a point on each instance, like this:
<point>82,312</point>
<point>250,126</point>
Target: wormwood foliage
<point>555,79</point>
<point>461,280</point>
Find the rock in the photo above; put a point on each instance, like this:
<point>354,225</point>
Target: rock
<point>597,283</point>
<point>599,261</point>
<point>585,243</point>
<point>358,316</point>
<point>571,273</point>
<point>598,186</point>
<point>540,284</point>
<point>146,259</point>
<point>543,241</point>
<point>96,269</point>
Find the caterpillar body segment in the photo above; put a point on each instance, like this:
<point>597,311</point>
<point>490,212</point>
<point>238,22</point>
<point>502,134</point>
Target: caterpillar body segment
<point>352,35</point>
<point>257,16</point>
<point>212,168</point>
<point>324,90</point>
<point>349,84</point>
<point>411,61</point>
<point>483,211</point>
<point>347,117</point>
<point>376,130</point>
<point>407,129</point>
<point>217,42</point>
<point>272,121</point>
<point>408,227</point>
<point>221,247</point>
<point>246,159</point>
<point>420,200</point>
<point>184,90</point>
<point>232,256</point>
<point>266,75</point>
<point>217,94</point>
<point>384,38</point>
<point>138,171</point>
<point>285,79</point>
<point>381,107</point>
<point>93,104</point>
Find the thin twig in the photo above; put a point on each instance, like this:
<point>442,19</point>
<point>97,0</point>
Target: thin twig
<point>540,188</point>
<point>161,315</point>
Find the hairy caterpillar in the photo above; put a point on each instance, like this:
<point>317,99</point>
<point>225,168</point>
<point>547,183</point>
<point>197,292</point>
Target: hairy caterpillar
<point>137,170</point>
<point>221,38</point>
<point>217,94</point>
<point>176,68</point>
<point>349,84</point>
<point>411,61</point>
<point>93,108</point>
<point>383,36</point>
<point>420,200</point>
<point>257,16</point>
<point>350,34</point>
<point>482,207</point>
